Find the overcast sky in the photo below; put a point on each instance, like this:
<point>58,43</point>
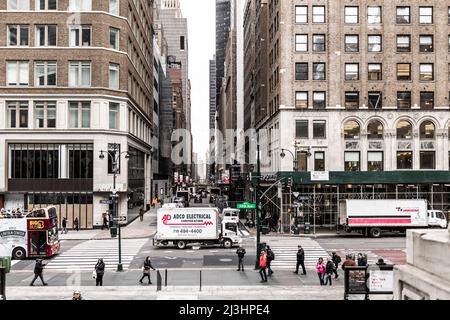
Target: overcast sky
<point>202,46</point>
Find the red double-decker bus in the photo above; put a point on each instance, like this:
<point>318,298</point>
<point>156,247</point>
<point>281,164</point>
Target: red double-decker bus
<point>32,236</point>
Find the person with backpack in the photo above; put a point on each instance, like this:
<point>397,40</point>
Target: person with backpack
<point>329,270</point>
<point>270,258</point>
<point>336,260</point>
<point>263,265</point>
<point>321,270</point>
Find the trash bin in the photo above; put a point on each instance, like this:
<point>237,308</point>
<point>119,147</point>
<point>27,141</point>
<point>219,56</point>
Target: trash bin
<point>113,231</point>
<point>5,262</point>
<point>307,228</point>
<point>265,229</point>
<point>297,229</point>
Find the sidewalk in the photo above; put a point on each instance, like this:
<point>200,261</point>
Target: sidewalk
<point>320,233</point>
<point>135,230</point>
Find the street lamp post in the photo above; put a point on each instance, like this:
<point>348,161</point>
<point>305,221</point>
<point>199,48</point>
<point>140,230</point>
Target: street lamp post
<point>115,160</point>
<point>258,207</point>
<point>294,158</point>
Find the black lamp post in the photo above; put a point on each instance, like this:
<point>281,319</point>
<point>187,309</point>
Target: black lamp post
<point>294,158</point>
<point>115,160</point>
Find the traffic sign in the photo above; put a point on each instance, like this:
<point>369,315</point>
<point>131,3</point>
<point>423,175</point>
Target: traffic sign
<point>246,205</point>
<point>106,202</point>
<point>121,218</point>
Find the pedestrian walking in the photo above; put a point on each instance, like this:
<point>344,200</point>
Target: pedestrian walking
<point>362,260</point>
<point>270,258</point>
<point>240,253</point>
<point>263,265</point>
<point>300,260</point>
<point>141,214</point>
<point>146,270</point>
<point>64,225</point>
<point>38,272</point>
<point>336,260</point>
<point>329,270</point>
<point>76,224</point>
<point>321,270</point>
<point>105,222</point>
<point>349,262</point>
<point>381,263</point>
<point>99,272</point>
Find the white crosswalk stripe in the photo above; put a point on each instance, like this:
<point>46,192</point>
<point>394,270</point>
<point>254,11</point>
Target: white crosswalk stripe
<point>85,255</point>
<point>286,254</point>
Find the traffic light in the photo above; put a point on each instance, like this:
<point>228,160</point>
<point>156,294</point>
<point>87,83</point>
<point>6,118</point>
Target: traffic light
<point>289,182</point>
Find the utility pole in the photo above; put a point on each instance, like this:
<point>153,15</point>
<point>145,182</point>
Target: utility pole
<point>258,206</point>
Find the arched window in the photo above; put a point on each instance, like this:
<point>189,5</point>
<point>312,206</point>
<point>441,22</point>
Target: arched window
<point>404,130</point>
<point>375,130</point>
<point>427,130</point>
<point>351,130</point>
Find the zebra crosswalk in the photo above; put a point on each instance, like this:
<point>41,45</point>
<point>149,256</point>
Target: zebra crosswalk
<point>286,253</point>
<point>84,256</point>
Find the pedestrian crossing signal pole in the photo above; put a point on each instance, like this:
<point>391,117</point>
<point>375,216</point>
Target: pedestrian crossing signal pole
<point>258,207</point>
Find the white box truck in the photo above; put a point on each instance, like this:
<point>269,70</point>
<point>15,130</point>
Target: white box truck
<point>373,217</point>
<point>187,226</point>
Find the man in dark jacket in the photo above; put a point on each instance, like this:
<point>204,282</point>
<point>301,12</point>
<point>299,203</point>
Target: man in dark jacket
<point>300,260</point>
<point>146,270</point>
<point>38,270</point>
<point>336,260</point>
<point>270,258</point>
<point>349,262</point>
<point>362,260</point>
<point>240,253</point>
<point>64,225</point>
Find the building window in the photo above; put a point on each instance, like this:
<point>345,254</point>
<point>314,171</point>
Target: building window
<point>301,100</point>
<point>45,36</point>
<point>79,114</point>
<point>114,153</point>
<point>114,38</point>
<point>403,71</point>
<point>319,129</point>
<point>301,42</point>
<point>448,43</point>
<point>352,130</point>
<point>114,7</point>
<point>351,100</point>
<point>319,71</point>
<point>375,161</point>
<point>404,100</point>
<point>403,43</point>
<point>17,73</point>
<point>374,15</point>
<point>79,74</point>
<point>113,76</point>
<point>426,43</point>
<point>319,100</point>
<point>351,14</point>
<point>319,43</point>
<point>45,114</point>
<point>45,73</point>
<point>318,14</point>
<point>404,130</point>
<point>81,161</point>
<point>113,116</point>
<point>352,161</point>
<point>18,35</point>
<point>351,43</point>
<point>182,43</point>
<point>18,5</point>
<point>375,100</point>
<point>427,160</point>
<point>301,14</point>
<point>374,72</point>
<point>426,15</point>
<point>448,15</point>
<point>375,130</point>
<point>404,160</point>
<point>427,130</point>
<point>80,5</point>
<point>46,4</point>
<point>301,71</point>
<point>319,161</point>
<point>403,15</point>
<point>426,72</point>
<point>374,43</point>
<point>351,71</point>
<point>301,129</point>
<point>426,100</point>
<point>34,161</point>
<point>17,114</point>
<point>302,164</point>
<point>80,36</point>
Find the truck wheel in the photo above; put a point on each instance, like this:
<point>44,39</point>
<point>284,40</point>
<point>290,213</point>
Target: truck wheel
<point>19,254</point>
<point>181,244</point>
<point>375,232</point>
<point>227,243</point>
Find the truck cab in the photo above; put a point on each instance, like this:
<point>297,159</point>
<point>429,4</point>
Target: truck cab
<point>230,233</point>
<point>436,218</point>
<point>230,214</point>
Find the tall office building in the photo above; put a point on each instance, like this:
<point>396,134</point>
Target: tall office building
<point>223,25</point>
<point>76,81</point>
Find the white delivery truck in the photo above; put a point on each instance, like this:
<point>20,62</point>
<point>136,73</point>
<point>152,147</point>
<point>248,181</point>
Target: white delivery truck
<point>373,217</point>
<point>186,226</point>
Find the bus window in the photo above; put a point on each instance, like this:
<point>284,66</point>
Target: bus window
<point>52,213</point>
<point>52,235</point>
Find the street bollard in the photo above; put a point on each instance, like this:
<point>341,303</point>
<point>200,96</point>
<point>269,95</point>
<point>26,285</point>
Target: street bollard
<point>2,283</point>
<point>158,281</point>
<point>200,280</point>
<point>165,278</point>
